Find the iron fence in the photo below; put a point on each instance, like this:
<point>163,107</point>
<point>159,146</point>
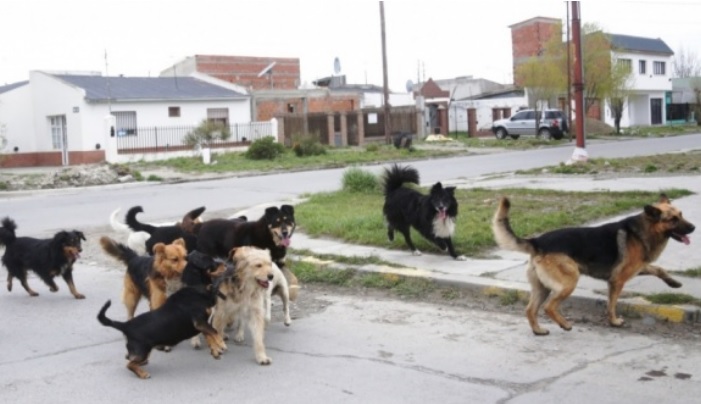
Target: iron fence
<point>156,139</point>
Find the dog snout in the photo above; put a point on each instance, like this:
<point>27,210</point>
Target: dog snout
<point>270,276</point>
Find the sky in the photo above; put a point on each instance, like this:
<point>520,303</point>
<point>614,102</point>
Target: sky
<point>425,39</point>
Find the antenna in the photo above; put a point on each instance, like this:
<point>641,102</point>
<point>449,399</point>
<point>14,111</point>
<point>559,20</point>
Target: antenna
<point>267,70</point>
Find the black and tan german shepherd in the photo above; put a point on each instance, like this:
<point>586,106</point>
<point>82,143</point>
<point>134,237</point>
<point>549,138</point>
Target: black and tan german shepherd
<point>613,252</point>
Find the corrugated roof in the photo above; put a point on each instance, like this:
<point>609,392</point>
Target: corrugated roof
<point>6,88</point>
<point>99,88</point>
<point>640,44</point>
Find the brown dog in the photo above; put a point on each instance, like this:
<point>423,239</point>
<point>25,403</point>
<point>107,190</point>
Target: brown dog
<point>614,252</point>
<point>148,276</point>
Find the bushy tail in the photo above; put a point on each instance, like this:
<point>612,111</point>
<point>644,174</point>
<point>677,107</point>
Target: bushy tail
<point>504,234</point>
<point>135,224</point>
<point>397,175</point>
<point>117,250</point>
<point>7,231</point>
<point>102,318</point>
<point>116,224</point>
<point>190,222</point>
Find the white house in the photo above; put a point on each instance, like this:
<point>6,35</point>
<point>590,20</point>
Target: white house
<point>487,108</point>
<point>650,61</point>
<point>62,118</point>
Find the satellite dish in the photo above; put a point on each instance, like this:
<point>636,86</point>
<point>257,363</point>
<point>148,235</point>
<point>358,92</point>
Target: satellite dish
<point>409,86</point>
<point>336,65</point>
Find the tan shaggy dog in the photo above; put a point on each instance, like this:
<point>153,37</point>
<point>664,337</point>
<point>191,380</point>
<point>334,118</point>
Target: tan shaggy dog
<point>245,296</point>
<point>148,276</point>
<point>614,252</point>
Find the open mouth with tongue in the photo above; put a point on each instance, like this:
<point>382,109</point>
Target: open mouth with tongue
<point>442,213</point>
<point>682,238</point>
<point>263,283</point>
<point>285,241</point>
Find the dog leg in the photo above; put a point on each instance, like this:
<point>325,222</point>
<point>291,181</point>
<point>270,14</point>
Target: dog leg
<point>390,233</point>
<point>26,287</point>
<point>135,364</point>
<point>214,341</point>
<point>130,297</point>
<point>616,283</point>
<point>451,250</point>
<point>407,238</point>
<point>559,274</point>
<point>284,293</point>
<point>68,277</point>
<point>662,274</point>
<point>539,293</point>
<point>240,335</point>
<point>9,282</point>
<point>257,328</point>
<point>196,342</point>
<point>268,302</point>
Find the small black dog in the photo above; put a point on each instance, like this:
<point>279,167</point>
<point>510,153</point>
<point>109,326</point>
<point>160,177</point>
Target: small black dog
<point>164,234</point>
<point>432,215</point>
<point>48,258</point>
<point>184,315</point>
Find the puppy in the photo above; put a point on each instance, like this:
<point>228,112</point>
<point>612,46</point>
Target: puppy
<point>614,252</point>
<point>164,234</point>
<point>432,215</point>
<point>244,298</point>
<point>148,276</point>
<point>48,258</point>
<point>184,315</point>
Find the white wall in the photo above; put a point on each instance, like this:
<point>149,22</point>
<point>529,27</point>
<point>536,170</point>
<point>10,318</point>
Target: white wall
<point>15,119</point>
<point>648,81</point>
<point>370,100</point>
<point>457,113</point>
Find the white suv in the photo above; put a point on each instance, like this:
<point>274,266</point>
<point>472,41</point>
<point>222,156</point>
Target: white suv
<point>553,125</point>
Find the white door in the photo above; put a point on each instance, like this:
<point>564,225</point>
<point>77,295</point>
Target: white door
<point>59,136</point>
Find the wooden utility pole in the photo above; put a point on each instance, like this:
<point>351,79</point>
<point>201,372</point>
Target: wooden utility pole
<point>580,153</point>
<point>387,118</point>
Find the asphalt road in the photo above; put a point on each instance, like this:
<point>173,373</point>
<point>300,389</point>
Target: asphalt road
<point>340,348</point>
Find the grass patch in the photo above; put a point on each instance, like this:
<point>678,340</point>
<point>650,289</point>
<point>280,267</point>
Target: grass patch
<point>347,260</point>
<point>672,163</point>
<point>287,160</point>
<point>357,217</point>
<point>673,298</point>
<point>522,143</point>
<point>654,131</point>
<point>154,177</point>
<point>691,273</point>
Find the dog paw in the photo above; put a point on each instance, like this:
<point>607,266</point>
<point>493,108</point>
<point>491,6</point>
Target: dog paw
<point>79,296</point>
<point>33,294</point>
<point>288,321</point>
<point>416,252</point>
<point>239,339</point>
<point>53,289</point>
<point>195,342</point>
<point>461,258</point>
<point>541,332</point>
<point>617,322</point>
<point>264,361</point>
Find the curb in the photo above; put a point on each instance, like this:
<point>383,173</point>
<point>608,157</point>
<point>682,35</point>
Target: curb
<point>636,307</point>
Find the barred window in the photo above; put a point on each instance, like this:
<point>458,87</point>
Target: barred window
<point>125,123</point>
<point>626,63</point>
<point>219,115</point>
<point>642,67</point>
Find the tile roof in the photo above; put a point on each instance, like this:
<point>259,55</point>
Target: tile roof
<point>6,88</point>
<point>640,44</point>
<point>100,88</point>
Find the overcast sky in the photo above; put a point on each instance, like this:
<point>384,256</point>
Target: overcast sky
<point>446,38</point>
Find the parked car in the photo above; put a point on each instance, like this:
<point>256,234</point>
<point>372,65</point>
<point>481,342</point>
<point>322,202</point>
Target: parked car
<point>553,125</point>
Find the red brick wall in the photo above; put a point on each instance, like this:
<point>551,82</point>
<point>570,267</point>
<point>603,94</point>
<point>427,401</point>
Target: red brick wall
<point>244,70</point>
<point>51,159</point>
<point>269,108</point>
<point>528,39</point>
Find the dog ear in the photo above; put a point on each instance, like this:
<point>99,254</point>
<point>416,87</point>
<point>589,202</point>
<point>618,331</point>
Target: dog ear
<point>288,209</point>
<point>653,213</point>
<point>664,199</point>
<point>159,248</point>
<point>180,242</point>
<point>436,187</point>
<point>271,211</point>
<point>450,190</point>
<point>80,234</point>
<point>61,236</point>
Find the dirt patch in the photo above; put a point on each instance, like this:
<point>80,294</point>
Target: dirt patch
<point>74,176</point>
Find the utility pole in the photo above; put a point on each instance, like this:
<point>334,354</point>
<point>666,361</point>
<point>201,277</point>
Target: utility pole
<point>388,123</point>
<point>580,153</point>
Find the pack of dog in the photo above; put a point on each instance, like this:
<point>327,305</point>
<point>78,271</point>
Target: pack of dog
<point>48,258</point>
<point>614,252</point>
<point>432,215</point>
<point>184,315</point>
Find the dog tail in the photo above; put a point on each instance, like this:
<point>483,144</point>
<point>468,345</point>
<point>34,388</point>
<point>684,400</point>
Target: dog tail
<point>397,175</point>
<point>117,250</point>
<point>503,233</point>
<point>135,224</point>
<point>116,224</point>
<point>104,320</point>
<point>190,223</point>
<point>7,231</point>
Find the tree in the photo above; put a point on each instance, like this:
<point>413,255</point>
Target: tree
<point>543,81</point>
<point>686,64</point>
<point>620,85</point>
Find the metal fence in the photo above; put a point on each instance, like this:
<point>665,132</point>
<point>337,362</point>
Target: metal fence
<point>158,139</point>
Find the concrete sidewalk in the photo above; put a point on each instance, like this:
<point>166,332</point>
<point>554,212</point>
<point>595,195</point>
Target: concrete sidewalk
<point>507,271</point>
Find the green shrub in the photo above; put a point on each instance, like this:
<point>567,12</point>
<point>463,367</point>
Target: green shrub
<point>265,149</point>
<point>372,147</point>
<point>361,181</point>
<point>307,145</point>
<point>206,133</point>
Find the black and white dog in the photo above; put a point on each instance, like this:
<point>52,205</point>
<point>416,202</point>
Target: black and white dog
<point>432,215</point>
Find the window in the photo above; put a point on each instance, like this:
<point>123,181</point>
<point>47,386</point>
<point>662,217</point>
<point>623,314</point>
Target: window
<point>626,63</point>
<point>125,123</point>
<point>173,112</point>
<point>220,115</point>
<point>659,68</point>
<point>519,116</point>
<point>58,128</point>
<point>642,67</point>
